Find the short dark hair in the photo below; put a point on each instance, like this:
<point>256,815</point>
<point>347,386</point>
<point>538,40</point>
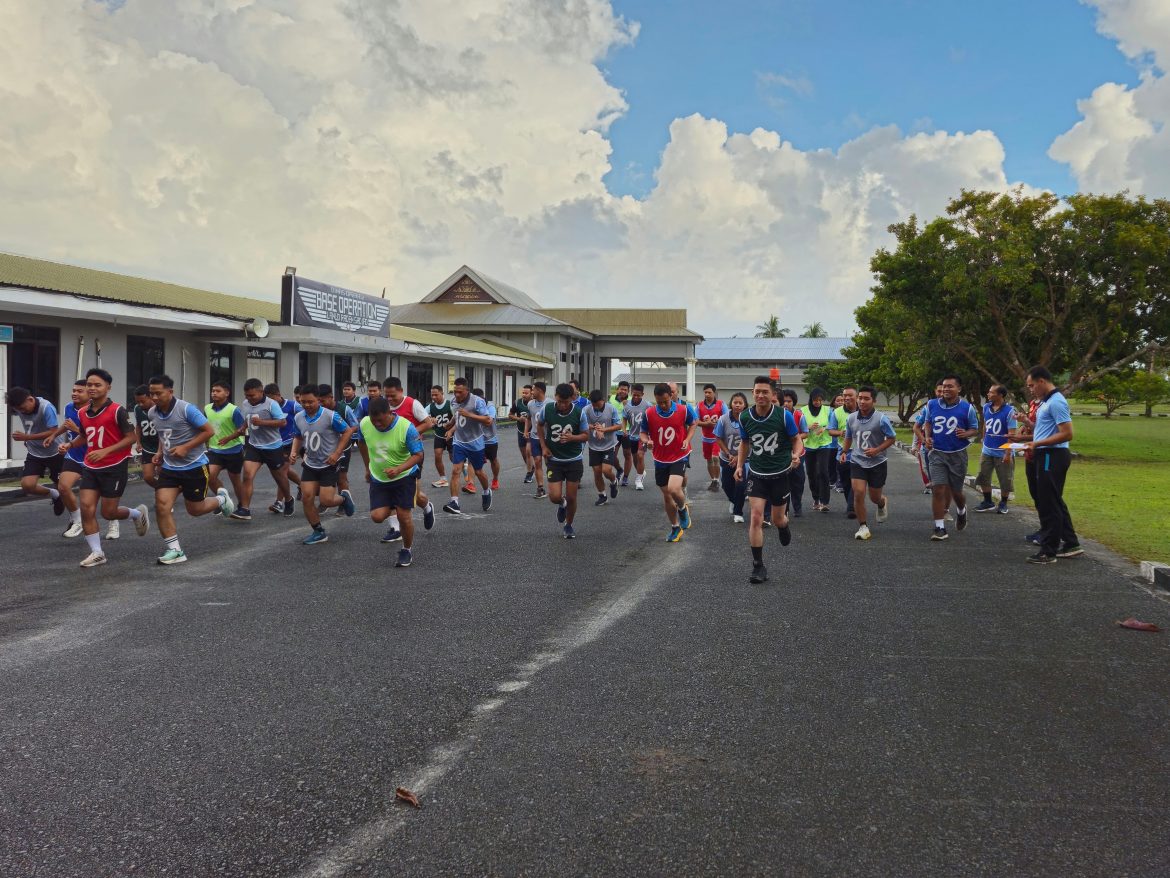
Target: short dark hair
<point>253,384</point>
<point>638,387</point>
<point>324,389</point>
<point>438,387</point>
<point>478,391</point>
<point>373,382</point>
<point>815,392</point>
<point>661,389</point>
<point>564,391</point>
<point>392,383</point>
<point>623,384</point>
<point>789,393</point>
<point>865,388</point>
<point>349,384</point>
<point>1000,389</point>
<point>596,396</point>
<point>272,389</point>
<point>100,373</point>
<point>460,382</point>
<point>17,396</point>
<point>379,406</point>
<point>526,387</point>
<point>539,385</point>
<point>163,381</point>
<point>222,384</point>
<point>710,387</point>
<point>79,383</point>
<point>954,378</point>
<point>576,384</point>
<point>1039,373</point>
<point>307,390</point>
<point>741,395</point>
<point>764,379</point>
<point>140,390</point>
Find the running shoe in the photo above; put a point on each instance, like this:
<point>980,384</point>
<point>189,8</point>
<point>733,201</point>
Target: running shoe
<point>243,513</point>
<point>884,511</point>
<point>684,518</point>
<point>540,494</point>
<point>562,512</point>
<point>986,506</point>
<point>1002,509</point>
<point>299,494</point>
<point>528,477</point>
<point>851,515</point>
<point>429,516</point>
<point>469,488</point>
<point>939,533</point>
<point>391,536</point>
<point>277,507</point>
<point>227,505</point>
<point>347,503</point>
<point>759,574</point>
<point>74,530</point>
<point>797,513</point>
<point>714,485</point>
<point>961,520</point>
<point>487,500</point>
<point>1034,539</point>
<point>737,519</point>
<point>926,490</point>
<point>172,556</point>
<point>404,558</point>
<point>824,507</point>
<point>625,481</point>
<point>452,507</point>
<point>289,507</point>
<point>58,505</point>
<point>785,534</point>
<point>570,534</point>
<point>638,486</point>
<point>317,536</point>
<point>441,483</point>
<point>495,484</point>
<point>113,530</point>
<point>93,559</point>
<point>1041,558</point>
<point>601,500</point>
<point>142,524</point>
<point>675,534</point>
<point>1070,551</point>
<point>863,533</point>
<point>613,489</point>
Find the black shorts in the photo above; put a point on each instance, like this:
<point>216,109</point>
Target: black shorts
<point>491,451</point>
<point>325,476</point>
<point>520,440</point>
<point>775,489</point>
<point>440,443</point>
<point>663,472</point>
<point>38,466</point>
<point>600,458</point>
<point>343,463</point>
<point>398,494</point>
<point>873,476</point>
<point>108,482</point>
<point>273,458</point>
<point>564,470</point>
<point>633,443</point>
<point>233,463</point>
<point>147,456</point>
<point>192,482</point>
<point>69,465</point>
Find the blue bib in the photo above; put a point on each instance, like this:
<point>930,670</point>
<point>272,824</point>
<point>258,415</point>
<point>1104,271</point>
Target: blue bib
<point>942,422</point>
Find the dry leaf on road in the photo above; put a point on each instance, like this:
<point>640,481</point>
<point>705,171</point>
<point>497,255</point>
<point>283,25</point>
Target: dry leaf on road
<point>407,796</point>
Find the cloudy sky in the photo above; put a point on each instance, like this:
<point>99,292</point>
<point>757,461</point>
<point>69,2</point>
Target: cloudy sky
<point>738,158</point>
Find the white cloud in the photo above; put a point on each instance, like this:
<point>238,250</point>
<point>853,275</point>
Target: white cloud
<point>382,142</point>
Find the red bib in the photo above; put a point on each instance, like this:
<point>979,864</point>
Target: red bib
<point>102,431</point>
<point>406,410</point>
<point>668,433</point>
<point>706,411</point>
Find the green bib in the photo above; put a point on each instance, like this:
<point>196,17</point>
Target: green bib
<point>842,421</point>
<point>386,448</point>
<point>221,422</point>
<point>555,424</point>
<point>442,415</point>
<point>813,441</point>
<point>769,445</point>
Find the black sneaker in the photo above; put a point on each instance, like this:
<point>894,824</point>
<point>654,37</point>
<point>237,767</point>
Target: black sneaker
<point>562,513</point>
<point>613,492</point>
<point>1041,558</point>
<point>540,494</point>
<point>851,514</point>
<point>289,507</point>
<point>404,558</point>
<point>392,536</point>
<point>453,508</point>
<point>759,574</point>
<point>940,533</point>
<point>486,500</point>
<point>58,505</point>
<point>785,534</point>
<point>986,506</point>
<point>242,513</point>
<point>1034,539</point>
<point>961,520</point>
<point>601,500</point>
<point>1070,551</point>
<point>528,478</point>
<point>429,516</point>
<point>798,513</point>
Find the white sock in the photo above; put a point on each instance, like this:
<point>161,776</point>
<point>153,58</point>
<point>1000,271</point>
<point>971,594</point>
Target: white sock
<point>95,543</point>
<point>940,522</point>
<point>54,493</point>
<point>75,516</point>
<point>222,498</point>
<point>173,543</point>
<point>134,513</point>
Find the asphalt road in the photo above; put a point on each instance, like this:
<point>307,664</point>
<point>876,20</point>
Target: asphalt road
<point>611,705</point>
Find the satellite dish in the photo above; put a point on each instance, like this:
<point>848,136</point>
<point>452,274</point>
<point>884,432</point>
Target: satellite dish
<point>257,327</point>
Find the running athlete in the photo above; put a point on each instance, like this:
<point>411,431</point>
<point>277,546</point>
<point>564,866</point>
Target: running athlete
<point>183,432</point>
<point>225,448</point>
<point>324,435</point>
<point>948,425</point>
<point>519,414</point>
<point>919,447</point>
<point>147,439</point>
<point>818,451</point>
<point>373,391</point>
<point>710,410</point>
<point>999,422</point>
<point>563,427</point>
<point>848,406</point>
<point>491,439</point>
<point>263,421</point>
<point>466,435</point>
<point>728,439</point>
<point>440,411</point>
<point>578,400</point>
<point>415,414</point>
<point>38,421</point>
<point>289,408</point>
<point>532,432</point>
<point>350,408</point>
<point>868,434</point>
<point>393,452</point>
<point>667,430</point>
<point>633,413</point>
<point>74,463</point>
<point>326,399</point>
<point>770,446</point>
<point>603,424</point>
<point>618,400</point>
<point>107,433</point>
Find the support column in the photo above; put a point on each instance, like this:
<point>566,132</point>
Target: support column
<point>288,363</point>
<point>691,395</point>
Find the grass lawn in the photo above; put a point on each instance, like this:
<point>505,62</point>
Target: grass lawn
<point>1118,488</point>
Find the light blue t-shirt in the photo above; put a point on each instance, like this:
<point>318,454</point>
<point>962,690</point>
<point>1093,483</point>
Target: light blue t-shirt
<point>489,430</point>
<point>268,409</point>
<point>1050,415</point>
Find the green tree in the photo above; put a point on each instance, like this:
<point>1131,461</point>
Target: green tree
<point>815,330</point>
<point>771,328</point>
<point>1114,390</point>
<point>1151,388</point>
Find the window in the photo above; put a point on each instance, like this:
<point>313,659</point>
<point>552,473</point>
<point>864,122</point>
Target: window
<point>419,379</point>
<point>510,393</point>
<point>469,374</point>
<point>303,367</point>
<point>221,364</point>
<point>144,358</point>
<point>262,364</point>
<point>34,358</point>
<point>342,369</point>
<point>488,375</point>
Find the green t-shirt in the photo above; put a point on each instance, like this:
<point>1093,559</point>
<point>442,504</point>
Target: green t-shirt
<point>770,446</point>
<point>555,424</point>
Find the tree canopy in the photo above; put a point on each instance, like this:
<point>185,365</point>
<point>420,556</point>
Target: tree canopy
<point>771,328</point>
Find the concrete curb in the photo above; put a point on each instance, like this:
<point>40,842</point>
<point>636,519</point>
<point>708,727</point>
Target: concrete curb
<point>1157,573</point>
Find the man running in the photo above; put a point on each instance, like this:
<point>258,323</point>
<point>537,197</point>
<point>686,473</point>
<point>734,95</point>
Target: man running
<point>533,430</point>
<point>710,410</point>
<point>562,429</point>
<point>948,425</point>
<point>416,415</point>
<point>183,432</point>
<point>770,448</point>
<point>289,408</point>
<point>491,438</point>
<point>868,435</point>
<point>797,476</point>
<point>999,423</point>
<point>466,433</point>
<point>603,425</point>
<point>73,465</point>
<point>324,435</point>
<point>578,400</point>
<point>728,439</point>
<point>439,410</point>
<point>632,413</point>
<point>147,440</point>
<point>919,447</point>
<point>393,452</point>
<point>38,421</point>
<point>107,433</point>
<point>519,414</point>
<point>667,430</point>
<point>618,400</point>
<point>848,406</point>
<point>263,421</point>
<point>225,448</point>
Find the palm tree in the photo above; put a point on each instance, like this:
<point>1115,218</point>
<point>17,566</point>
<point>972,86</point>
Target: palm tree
<point>772,328</point>
<point>815,330</point>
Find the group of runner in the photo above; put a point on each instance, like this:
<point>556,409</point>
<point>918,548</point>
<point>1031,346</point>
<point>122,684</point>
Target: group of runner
<point>759,452</point>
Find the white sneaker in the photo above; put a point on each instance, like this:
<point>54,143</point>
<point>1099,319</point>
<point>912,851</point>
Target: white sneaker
<point>114,530</point>
<point>884,511</point>
<point>638,484</point>
<point>863,533</point>
<point>142,524</point>
<point>738,519</point>
<point>93,559</point>
<point>227,506</point>
<point>441,483</point>
<point>74,530</point>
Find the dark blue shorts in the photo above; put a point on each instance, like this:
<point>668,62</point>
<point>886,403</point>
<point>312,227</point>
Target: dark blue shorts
<point>460,453</point>
<point>534,447</point>
<point>398,494</point>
